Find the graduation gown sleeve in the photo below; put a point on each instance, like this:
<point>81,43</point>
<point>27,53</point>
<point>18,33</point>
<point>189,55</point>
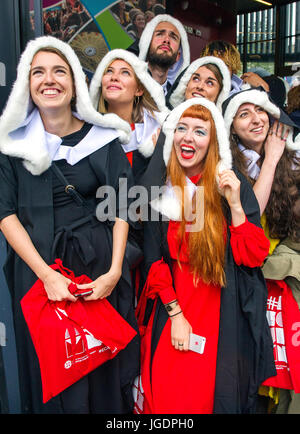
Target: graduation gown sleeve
<point>8,188</point>
<point>245,356</point>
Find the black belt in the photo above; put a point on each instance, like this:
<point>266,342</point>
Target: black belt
<point>82,245</point>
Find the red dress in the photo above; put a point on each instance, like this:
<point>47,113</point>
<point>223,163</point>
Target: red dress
<point>189,375</point>
<point>184,381</point>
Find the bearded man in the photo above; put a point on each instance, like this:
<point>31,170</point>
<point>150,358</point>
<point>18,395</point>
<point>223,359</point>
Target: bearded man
<point>164,45</point>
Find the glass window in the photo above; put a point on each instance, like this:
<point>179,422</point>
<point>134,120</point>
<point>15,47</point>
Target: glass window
<point>292,34</point>
<point>256,38</point>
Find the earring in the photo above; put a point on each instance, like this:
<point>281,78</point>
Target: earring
<point>136,100</point>
<point>235,137</point>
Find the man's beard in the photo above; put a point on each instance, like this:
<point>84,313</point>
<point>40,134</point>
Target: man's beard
<point>163,60</point>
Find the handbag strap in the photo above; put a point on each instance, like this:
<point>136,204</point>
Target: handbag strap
<point>58,265</point>
<point>70,189</point>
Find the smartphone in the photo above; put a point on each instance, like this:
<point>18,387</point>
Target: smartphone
<point>82,292</point>
<point>197,343</point>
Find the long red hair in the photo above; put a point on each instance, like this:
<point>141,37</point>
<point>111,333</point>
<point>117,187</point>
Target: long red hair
<point>207,246</point>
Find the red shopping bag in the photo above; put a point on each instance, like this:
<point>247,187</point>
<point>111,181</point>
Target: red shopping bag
<point>72,338</point>
<point>284,320</point>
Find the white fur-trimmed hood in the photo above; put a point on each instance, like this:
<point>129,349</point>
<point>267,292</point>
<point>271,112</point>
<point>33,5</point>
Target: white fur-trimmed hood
<point>146,38</point>
<point>141,70</point>
<point>168,204</point>
<point>178,95</point>
<point>259,98</point>
<point>175,115</point>
<point>19,106</point>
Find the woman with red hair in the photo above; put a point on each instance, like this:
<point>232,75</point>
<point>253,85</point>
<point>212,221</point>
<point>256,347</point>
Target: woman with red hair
<point>206,345</point>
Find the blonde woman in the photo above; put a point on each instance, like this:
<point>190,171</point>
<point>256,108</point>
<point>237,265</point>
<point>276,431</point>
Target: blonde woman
<point>122,85</point>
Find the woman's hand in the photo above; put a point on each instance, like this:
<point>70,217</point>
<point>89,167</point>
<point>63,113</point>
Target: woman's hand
<point>275,143</point>
<point>255,80</point>
<point>102,287</point>
<point>56,285</point>
<point>155,136</point>
<point>229,185</point>
<point>180,332</point>
<point>274,147</point>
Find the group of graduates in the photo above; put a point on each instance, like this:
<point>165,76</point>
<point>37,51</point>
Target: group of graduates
<point>220,163</point>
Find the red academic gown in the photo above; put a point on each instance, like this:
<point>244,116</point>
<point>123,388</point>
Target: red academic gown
<point>184,381</point>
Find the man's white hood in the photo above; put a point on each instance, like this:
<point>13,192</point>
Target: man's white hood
<point>146,37</point>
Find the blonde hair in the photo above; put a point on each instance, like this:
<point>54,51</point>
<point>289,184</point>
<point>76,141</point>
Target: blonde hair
<point>225,51</point>
<point>145,101</point>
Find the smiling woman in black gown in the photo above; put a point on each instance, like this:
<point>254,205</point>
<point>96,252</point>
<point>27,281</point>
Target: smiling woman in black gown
<point>41,222</point>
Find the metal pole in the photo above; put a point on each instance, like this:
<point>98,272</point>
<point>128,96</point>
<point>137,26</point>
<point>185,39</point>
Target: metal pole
<point>38,18</point>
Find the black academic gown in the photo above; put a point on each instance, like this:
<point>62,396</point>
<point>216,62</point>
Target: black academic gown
<point>30,197</point>
<point>245,348</point>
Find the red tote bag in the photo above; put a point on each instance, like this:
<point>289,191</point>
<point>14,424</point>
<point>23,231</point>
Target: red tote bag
<point>284,320</point>
<point>72,338</point>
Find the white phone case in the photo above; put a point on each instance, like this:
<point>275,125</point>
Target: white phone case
<point>197,343</point>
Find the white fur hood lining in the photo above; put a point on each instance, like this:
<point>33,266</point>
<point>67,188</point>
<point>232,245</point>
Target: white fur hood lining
<point>259,98</point>
<point>146,38</point>
<point>178,95</point>
<point>19,106</point>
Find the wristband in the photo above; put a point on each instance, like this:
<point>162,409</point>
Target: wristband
<point>174,314</point>
<point>170,306</point>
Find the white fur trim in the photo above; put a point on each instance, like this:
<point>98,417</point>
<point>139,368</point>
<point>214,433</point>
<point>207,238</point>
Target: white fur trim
<point>167,205</point>
<point>259,98</point>
<point>178,96</point>
<point>253,96</point>
<point>141,70</point>
<point>19,105</point>
<point>146,37</point>
<point>223,141</point>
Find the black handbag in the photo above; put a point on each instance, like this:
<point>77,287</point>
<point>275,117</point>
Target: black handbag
<point>133,252</point>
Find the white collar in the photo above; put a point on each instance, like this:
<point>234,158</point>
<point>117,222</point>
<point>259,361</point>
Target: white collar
<point>141,137</point>
<point>168,203</point>
<point>165,86</point>
<point>252,158</point>
<point>32,131</point>
<point>88,145</point>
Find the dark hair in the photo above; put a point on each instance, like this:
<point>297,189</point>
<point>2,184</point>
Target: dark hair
<point>283,207</point>
<point>293,99</point>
